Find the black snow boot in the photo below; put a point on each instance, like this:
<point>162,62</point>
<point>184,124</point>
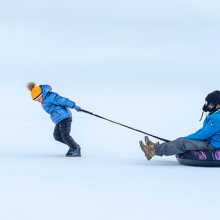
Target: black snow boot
<point>74,152</point>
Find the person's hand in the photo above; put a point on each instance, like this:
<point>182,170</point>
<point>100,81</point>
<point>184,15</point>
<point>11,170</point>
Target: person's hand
<point>77,108</point>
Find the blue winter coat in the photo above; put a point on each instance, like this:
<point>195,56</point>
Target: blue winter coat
<point>55,105</point>
<point>210,130</point>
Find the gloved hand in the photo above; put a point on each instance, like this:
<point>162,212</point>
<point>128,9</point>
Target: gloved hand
<point>77,108</point>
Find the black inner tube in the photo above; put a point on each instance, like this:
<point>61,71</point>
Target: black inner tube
<point>199,163</point>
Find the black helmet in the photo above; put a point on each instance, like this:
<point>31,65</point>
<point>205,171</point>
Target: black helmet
<point>211,101</point>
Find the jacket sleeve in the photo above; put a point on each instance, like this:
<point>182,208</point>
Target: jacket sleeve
<point>208,130</point>
<point>61,101</point>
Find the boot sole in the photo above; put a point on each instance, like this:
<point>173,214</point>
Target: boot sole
<point>146,139</point>
<point>142,147</point>
<point>73,156</point>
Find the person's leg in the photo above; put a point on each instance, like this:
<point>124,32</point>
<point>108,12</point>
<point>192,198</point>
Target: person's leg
<point>181,145</point>
<point>65,128</point>
<point>56,134</point>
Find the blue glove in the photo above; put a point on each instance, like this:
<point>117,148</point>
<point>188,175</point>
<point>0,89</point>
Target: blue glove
<point>77,108</point>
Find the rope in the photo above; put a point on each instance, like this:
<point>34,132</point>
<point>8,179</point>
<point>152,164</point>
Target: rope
<point>98,116</point>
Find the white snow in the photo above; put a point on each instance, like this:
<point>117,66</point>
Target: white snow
<point>50,186</point>
<point>147,64</point>
<point>112,180</point>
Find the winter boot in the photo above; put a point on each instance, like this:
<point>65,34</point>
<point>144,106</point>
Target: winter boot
<point>149,142</point>
<point>149,148</point>
<point>74,152</point>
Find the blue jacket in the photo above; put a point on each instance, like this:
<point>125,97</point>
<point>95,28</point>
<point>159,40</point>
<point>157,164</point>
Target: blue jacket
<point>55,105</point>
<point>210,130</point>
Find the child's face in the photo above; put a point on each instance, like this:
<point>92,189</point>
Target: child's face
<point>40,99</point>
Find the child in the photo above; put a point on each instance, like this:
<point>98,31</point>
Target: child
<point>207,138</point>
<point>58,108</point>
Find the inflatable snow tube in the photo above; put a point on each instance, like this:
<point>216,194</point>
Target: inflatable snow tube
<point>200,158</point>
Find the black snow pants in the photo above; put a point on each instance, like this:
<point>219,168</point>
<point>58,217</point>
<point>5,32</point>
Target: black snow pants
<point>62,133</point>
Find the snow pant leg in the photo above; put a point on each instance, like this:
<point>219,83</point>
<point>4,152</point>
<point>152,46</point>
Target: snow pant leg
<point>65,128</point>
<point>56,134</point>
<point>182,145</point>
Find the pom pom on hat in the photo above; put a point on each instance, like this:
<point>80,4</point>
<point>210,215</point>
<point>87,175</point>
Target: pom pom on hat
<point>36,91</point>
<point>31,85</point>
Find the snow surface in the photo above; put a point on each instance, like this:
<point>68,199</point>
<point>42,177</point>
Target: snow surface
<point>50,186</point>
<point>147,64</point>
<point>107,182</point>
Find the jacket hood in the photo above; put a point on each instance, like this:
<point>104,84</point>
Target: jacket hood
<point>46,89</point>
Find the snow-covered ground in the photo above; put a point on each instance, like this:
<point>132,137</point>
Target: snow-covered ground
<point>112,179</point>
<point>147,64</point>
<point>48,185</point>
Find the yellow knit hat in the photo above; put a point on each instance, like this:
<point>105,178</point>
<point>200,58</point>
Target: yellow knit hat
<point>36,91</point>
